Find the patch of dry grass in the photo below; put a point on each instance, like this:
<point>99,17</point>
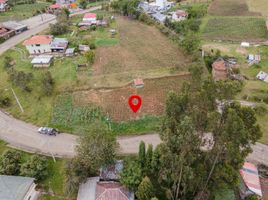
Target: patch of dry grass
<point>231,8</point>
<point>142,48</point>
<point>260,6</point>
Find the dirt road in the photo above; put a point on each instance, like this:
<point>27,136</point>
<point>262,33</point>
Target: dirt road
<point>24,136</point>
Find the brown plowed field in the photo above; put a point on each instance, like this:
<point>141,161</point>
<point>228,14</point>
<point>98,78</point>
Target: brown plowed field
<point>115,101</point>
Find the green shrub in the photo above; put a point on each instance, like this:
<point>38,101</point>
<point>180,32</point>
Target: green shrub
<point>260,109</point>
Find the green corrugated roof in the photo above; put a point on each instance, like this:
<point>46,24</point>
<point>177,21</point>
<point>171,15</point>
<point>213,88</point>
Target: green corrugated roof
<point>14,187</point>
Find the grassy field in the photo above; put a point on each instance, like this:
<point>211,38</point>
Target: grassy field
<point>259,6</point>
<point>55,179</point>
<point>20,12</point>
<point>143,51</point>
<point>251,29</point>
<point>230,8</point>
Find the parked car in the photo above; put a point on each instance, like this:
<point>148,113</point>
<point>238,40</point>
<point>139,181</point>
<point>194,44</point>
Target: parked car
<point>48,131</point>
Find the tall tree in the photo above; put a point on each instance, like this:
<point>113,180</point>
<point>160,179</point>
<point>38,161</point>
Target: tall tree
<point>179,154</point>
<point>145,190</point>
<point>148,161</point>
<point>131,176</point>
<point>142,155</point>
<point>96,148</point>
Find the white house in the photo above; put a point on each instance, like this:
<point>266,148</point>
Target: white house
<point>17,188</point>
<point>90,18</point>
<point>3,5</point>
<point>38,44</point>
<point>262,76</point>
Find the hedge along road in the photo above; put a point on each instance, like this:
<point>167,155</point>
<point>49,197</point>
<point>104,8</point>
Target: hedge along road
<point>24,136</point>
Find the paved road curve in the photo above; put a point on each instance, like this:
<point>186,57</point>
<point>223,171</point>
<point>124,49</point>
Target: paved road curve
<point>24,136</point>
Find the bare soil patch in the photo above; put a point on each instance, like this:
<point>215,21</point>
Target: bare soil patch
<point>115,101</point>
<point>230,8</point>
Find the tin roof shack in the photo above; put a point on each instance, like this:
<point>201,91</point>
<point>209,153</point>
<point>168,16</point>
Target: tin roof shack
<point>253,59</point>
<point>83,48</point>
<point>263,76</point>
<point>59,45</point>
<point>69,52</point>
<point>42,61</point>
<point>250,181</point>
<point>220,69</point>
<point>15,26</point>
<point>6,33</point>
<point>17,188</point>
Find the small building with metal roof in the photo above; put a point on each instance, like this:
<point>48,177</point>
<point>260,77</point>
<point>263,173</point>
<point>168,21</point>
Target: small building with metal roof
<point>17,188</point>
<point>42,61</point>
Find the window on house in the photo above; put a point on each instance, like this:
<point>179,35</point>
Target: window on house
<point>38,45</point>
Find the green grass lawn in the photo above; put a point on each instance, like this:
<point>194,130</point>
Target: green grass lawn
<point>20,12</point>
<point>234,29</point>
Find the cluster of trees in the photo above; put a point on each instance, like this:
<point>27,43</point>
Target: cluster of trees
<point>11,164</point>
<point>62,25</point>
<point>96,148</point>
<point>126,7</point>
<point>180,167</point>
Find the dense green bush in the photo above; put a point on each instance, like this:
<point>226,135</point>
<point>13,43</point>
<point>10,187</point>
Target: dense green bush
<point>10,162</point>
<point>35,167</point>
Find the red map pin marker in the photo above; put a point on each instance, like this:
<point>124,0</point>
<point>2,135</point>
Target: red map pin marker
<point>134,102</point>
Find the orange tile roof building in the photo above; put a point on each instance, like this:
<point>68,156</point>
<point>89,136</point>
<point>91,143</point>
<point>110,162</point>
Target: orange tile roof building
<point>220,69</point>
<point>38,44</point>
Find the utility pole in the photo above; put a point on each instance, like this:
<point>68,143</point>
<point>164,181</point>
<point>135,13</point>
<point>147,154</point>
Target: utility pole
<point>18,102</point>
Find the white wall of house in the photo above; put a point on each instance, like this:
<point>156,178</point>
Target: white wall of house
<point>32,194</point>
<point>38,49</point>
<point>90,20</point>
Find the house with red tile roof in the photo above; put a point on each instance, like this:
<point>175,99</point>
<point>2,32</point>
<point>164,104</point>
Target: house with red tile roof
<point>220,69</point>
<point>3,5</point>
<point>112,191</point>
<point>54,8</point>
<point>250,181</point>
<point>38,44</point>
<point>179,15</point>
<point>90,18</point>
